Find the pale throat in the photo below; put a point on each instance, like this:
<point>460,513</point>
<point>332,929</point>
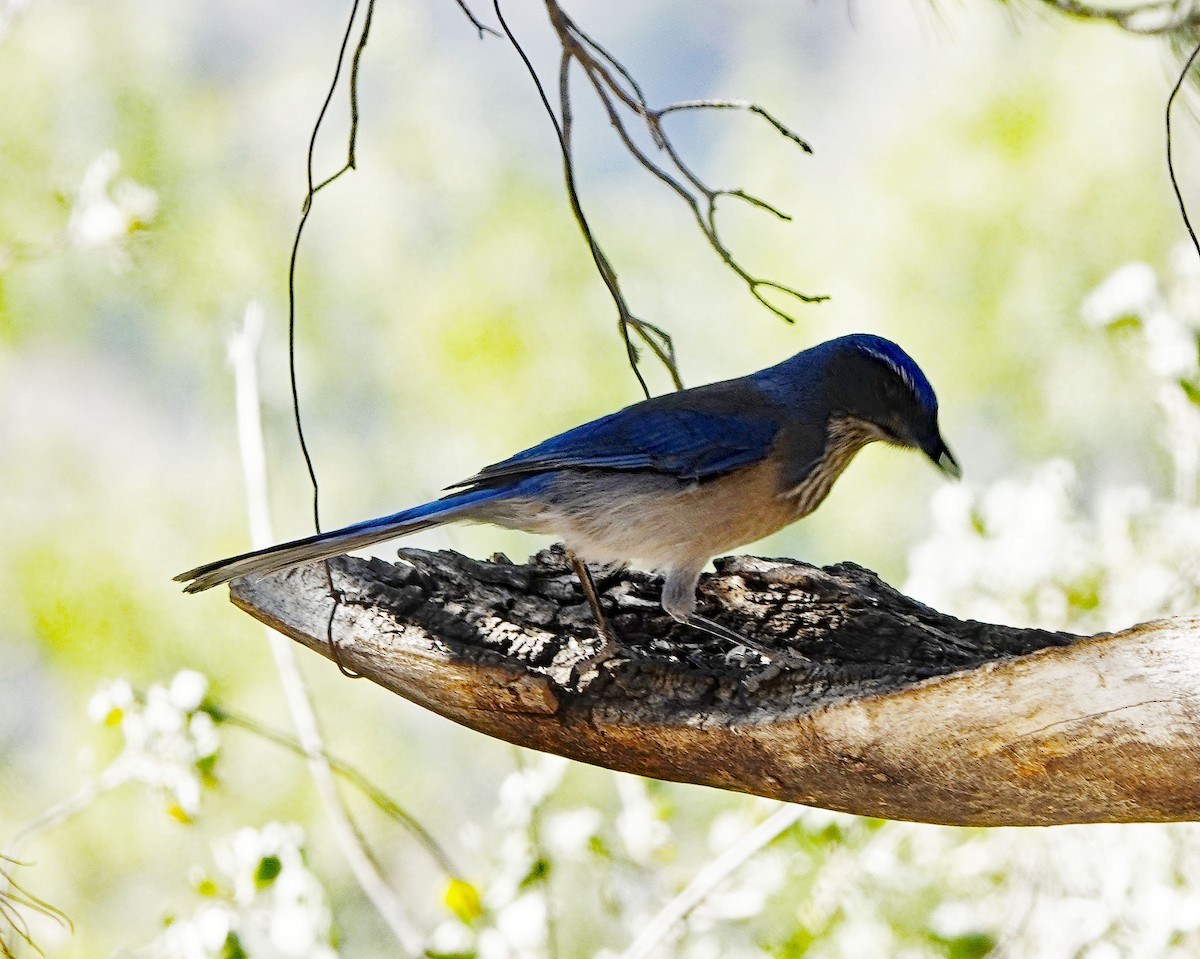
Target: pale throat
<point>846,435</point>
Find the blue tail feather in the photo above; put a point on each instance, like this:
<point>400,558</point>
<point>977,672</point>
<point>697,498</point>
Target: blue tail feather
<point>310,549</point>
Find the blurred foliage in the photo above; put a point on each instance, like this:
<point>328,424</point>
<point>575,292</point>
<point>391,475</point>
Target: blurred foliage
<point>973,181</point>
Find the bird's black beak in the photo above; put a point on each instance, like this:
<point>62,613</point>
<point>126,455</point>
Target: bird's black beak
<point>940,453</point>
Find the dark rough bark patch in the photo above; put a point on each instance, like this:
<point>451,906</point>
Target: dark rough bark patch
<point>892,709</point>
<point>858,634</point>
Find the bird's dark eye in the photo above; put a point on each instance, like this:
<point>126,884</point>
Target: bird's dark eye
<point>897,431</point>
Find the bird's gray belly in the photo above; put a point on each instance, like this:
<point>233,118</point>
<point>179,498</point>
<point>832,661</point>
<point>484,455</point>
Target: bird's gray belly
<point>658,520</point>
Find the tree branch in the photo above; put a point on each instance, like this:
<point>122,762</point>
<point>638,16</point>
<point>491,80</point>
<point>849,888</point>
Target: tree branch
<point>894,710</point>
<point>615,88</point>
<point>1161,16</point>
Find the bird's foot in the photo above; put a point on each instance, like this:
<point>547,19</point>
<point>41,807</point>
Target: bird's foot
<point>608,649</point>
<point>776,660</point>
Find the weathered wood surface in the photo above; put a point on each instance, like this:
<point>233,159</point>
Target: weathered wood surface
<point>890,709</point>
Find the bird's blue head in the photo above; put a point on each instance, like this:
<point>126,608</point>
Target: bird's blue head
<point>874,381</point>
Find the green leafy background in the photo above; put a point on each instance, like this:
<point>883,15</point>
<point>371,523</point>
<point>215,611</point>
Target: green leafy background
<point>976,173</point>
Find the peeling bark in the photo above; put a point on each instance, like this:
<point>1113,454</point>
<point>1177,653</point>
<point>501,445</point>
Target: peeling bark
<point>891,709</point>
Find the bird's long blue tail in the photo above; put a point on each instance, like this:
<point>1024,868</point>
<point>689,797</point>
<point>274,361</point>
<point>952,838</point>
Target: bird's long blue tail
<point>310,549</point>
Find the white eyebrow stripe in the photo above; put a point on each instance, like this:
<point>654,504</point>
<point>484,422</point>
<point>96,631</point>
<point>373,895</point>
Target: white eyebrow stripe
<point>906,376</point>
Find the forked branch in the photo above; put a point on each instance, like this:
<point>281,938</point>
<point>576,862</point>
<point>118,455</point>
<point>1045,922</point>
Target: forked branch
<point>625,104</point>
<point>623,100</point>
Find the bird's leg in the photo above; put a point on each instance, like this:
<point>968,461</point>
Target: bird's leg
<point>679,600</point>
<point>777,661</point>
<point>608,642</point>
<point>713,628</point>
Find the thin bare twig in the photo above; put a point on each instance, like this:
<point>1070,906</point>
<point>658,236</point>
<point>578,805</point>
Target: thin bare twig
<point>57,814</point>
<point>654,337</point>
<point>15,902</point>
<point>618,92</point>
<point>380,799</point>
<point>243,349</point>
<point>657,339</point>
<point>620,95</point>
<point>1170,161</point>
<point>649,940</point>
<point>1160,17</point>
<point>478,24</point>
<point>306,208</point>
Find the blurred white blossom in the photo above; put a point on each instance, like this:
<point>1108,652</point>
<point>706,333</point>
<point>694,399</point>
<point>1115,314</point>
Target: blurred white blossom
<point>170,742</point>
<point>1167,318</point>
<point>112,699</point>
<point>9,12</point>
<point>524,790</point>
<point>204,934</point>
<point>522,924</point>
<point>187,689</point>
<point>1129,293</point>
<point>642,827</point>
<point>269,905</point>
<point>1034,551</point>
<point>107,213</point>
<point>451,937</point>
<point>1107,890</point>
<point>1167,321</point>
<point>569,833</point>
<point>507,916</point>
<point>1040,550</point>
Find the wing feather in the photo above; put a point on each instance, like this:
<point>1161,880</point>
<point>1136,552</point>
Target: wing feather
<point>693,442</point>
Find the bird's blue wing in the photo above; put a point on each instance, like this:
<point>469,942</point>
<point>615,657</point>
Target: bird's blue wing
<point>688,443</point>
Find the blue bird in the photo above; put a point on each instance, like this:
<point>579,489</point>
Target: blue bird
<point>673,481</point>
